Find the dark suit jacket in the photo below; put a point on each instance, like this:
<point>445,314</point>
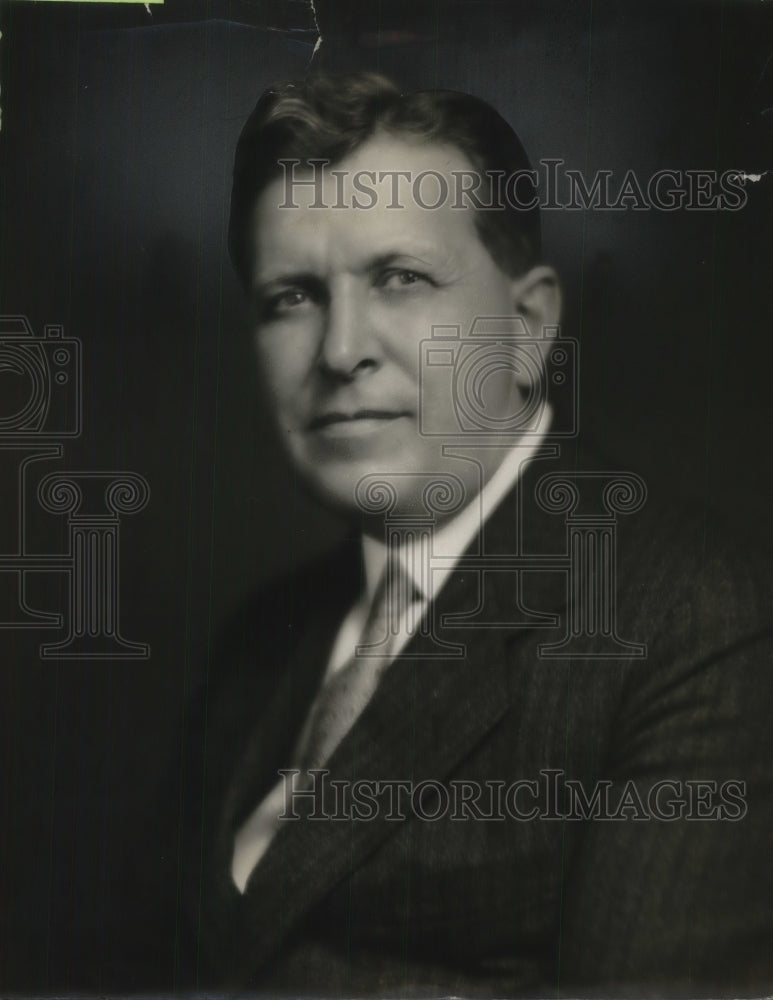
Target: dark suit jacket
<point>481,907</point>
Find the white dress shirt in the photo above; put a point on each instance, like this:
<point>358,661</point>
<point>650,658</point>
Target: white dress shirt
<point>448,544</point>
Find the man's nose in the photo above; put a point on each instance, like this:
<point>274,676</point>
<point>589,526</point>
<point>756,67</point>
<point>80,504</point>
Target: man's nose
<point>349,346</point>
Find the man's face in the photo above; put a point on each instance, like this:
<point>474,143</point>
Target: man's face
<point>345,296</point>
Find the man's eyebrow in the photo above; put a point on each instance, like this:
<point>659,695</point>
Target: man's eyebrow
<point>421,256</point>
<point>303,279</point>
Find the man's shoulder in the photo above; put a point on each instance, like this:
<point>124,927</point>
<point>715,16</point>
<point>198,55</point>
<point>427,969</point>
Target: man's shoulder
<point>685,554</point>
<point>271,614</point>
<point>671,544</point>
<point>698,597</point>
<point>685,580</point>
<point>256,647</point>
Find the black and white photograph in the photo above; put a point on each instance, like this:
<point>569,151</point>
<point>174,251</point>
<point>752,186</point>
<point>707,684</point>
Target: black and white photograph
<point>386,552</point>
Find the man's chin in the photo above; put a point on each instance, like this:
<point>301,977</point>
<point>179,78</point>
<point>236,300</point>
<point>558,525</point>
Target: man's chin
<point>365,493</point>
<point>350,492</point>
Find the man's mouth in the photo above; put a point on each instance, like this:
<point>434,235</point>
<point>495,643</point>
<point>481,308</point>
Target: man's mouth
<point>339,422</point>
<point>340,417</point>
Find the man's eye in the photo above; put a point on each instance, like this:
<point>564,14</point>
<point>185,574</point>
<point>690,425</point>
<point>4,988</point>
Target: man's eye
<point>402,278</point>
<point>282,303</point>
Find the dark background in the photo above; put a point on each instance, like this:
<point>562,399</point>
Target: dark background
<point>118,128</point>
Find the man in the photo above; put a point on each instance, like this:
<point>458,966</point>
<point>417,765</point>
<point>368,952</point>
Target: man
<point>508,740</point>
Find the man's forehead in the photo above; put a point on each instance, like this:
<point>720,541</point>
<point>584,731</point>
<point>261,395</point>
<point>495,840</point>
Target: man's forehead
<point>392,164</point>
<point>385,173</point>
<point>389,197</point>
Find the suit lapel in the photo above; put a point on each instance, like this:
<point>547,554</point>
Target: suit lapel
<point>269,745</point>
<point>427,714</point>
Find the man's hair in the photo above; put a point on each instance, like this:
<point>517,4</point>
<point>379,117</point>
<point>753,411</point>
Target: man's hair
<point>328,117</point>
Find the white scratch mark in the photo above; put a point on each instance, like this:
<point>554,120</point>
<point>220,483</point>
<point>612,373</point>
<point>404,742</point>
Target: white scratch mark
<point>319,33</point>
<point>754,178</point>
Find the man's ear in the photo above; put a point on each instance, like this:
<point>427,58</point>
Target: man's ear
<point>537,300</point>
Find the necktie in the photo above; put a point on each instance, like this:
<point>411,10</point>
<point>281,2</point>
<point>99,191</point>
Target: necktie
<point>345,694</point>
